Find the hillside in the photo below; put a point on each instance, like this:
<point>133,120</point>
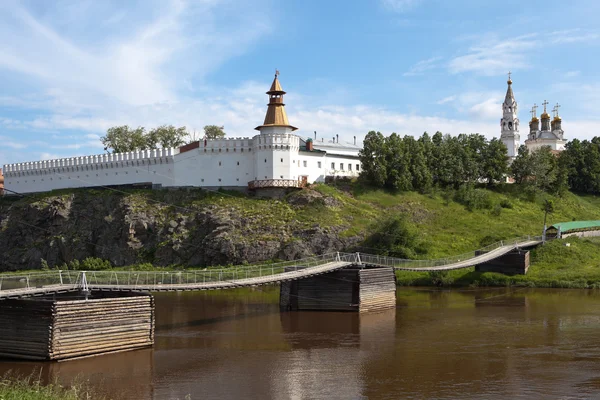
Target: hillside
<point>195,228</point>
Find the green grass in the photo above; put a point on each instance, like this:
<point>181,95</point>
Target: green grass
<point>569,263</point>
<point>444,226</point>
<point>31,388</point>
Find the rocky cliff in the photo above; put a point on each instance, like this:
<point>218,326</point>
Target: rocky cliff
<point>192,228</point>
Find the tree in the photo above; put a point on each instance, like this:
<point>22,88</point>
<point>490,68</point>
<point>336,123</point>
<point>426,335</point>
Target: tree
<point>214,131</point>
<point>397,164</point>
<point>166,136</point>
<point>122,139</point>
<point>521,168</point>
<point>544,169</point>
<point>373,160</point>
<point>547,208</point>
<point>495,161</point>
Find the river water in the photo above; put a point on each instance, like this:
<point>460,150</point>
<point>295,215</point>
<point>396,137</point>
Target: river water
<point>467,344</point>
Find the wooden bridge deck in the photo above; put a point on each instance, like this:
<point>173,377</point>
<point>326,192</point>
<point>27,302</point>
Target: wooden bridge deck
<point>36,286</point>
<point>480,259</point>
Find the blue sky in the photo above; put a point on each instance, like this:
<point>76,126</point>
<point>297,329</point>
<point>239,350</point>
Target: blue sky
<point>71,69</point>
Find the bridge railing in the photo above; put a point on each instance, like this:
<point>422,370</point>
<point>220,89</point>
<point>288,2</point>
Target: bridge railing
<point>209,275</point>
<point>420,264</point>
<point>30,280</point>
<point>146,279</point>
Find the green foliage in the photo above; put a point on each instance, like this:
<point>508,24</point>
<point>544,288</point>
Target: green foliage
<point>87,264</point>
<point>505,203</point>
<point>32,388</point>
<point>405,164</point>
<point>441,278</point>
<point>214,132</point>
<point>473,199</point>
<point>581,161</point>
<point>496,211</point>
<point>121,139</point>
<point>394,237</point>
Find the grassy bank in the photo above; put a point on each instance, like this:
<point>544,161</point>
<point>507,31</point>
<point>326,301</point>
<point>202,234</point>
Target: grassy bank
<point>31,388</point>
<point>435,225</point>
<point>569,263</point>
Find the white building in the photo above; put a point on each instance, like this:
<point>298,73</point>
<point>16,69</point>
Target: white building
<point>276,157</point>
<point>550,134</point>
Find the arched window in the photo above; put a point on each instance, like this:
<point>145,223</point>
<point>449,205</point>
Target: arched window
<point>510,125</point>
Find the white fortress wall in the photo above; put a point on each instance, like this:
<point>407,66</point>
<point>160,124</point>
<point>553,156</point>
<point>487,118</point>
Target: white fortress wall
<point>155,166</point>
<point>222,162</point>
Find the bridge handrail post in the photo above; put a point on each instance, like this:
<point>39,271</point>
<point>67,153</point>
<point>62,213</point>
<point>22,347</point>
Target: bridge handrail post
<point>27,281</point>
<point>358,258</point>
<point>60,276</point>
<point>337,256</point>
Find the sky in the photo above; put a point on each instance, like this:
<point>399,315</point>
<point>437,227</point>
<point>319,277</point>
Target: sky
<point>71,69</point>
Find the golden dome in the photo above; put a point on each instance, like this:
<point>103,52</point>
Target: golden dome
<point>535,119</point>
<point>557,118</point>
<point>545,116</point>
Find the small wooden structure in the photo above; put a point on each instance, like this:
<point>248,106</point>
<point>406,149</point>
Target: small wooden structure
<point>513,263</point>
<point>69,326</point>
<point>350,289</point>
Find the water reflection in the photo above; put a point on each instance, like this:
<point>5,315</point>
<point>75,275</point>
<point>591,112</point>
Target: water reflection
<point>493,344</point>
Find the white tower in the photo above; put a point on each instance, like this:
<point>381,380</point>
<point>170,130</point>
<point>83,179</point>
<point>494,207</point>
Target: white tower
<point>509,124</point>
<point>276,147</point>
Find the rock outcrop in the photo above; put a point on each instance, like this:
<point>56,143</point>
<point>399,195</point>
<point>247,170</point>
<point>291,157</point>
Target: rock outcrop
<point>181,227</point>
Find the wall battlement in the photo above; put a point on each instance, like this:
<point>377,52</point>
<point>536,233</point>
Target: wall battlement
<point>99,161</point>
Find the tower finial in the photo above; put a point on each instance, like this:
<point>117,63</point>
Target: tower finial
<point>545,103</point>
<point>556,107</point>
<point>509,80</point>
<point>276,72</point>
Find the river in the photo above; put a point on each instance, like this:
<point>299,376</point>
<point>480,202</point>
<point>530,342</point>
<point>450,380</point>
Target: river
<point>467,344</point>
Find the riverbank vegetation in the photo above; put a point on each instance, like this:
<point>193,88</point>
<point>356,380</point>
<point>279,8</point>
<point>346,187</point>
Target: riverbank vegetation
<point>13,387</point>
<point>437,224</point>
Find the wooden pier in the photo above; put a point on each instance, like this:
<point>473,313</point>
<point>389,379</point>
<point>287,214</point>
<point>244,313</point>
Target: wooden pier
<point>514,263</point>
<point>69,326</point>
<point>350,289</point>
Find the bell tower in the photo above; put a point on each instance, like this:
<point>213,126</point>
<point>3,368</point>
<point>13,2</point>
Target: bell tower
<point>509,124</point>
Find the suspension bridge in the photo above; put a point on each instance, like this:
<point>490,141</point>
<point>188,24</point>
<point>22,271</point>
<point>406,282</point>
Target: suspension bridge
<point>56,282</point>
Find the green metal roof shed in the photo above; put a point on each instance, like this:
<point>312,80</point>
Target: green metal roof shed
<point>572,226</point>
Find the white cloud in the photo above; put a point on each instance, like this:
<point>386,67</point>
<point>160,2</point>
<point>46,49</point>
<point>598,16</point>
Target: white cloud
<point>446,100</point>
<point>493,56</point>
<point>400,6</point>
<point>572,36</point>
<point>48,156</point>
<point>422,66</point>
<point>147,63</point>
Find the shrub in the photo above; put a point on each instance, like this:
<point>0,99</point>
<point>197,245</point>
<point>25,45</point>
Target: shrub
<point>473,199</point>
<point>441,278</point>
<point>505,203</point>
<point>496,211</point>
<point>94,264</point>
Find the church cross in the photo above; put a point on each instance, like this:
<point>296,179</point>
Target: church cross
<point>556,107</point>
<point>534,109</point>
<point>545,103</point>
<point>509,75</point>
<point>276,72</point>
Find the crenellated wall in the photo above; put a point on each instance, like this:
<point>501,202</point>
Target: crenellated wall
<point>155,166</point>
<point>230,162</point>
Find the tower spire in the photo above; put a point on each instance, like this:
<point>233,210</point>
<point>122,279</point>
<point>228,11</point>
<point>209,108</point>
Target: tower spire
<point>510,121</point>
<point>276,115</point>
